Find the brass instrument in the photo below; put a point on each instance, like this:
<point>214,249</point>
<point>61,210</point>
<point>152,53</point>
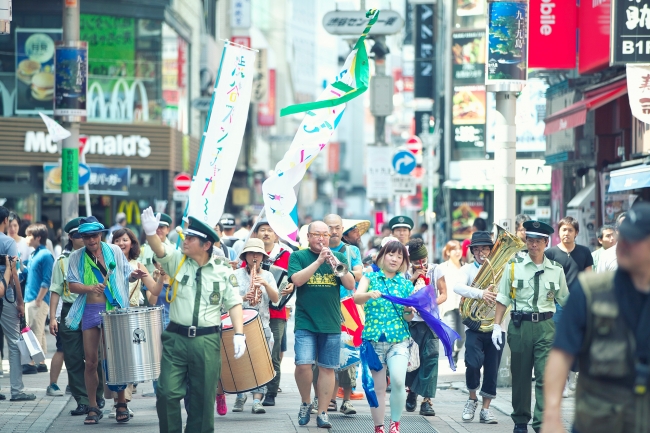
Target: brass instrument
<point>505,247</point>
<point>254,295</point>
<point>339,269</point>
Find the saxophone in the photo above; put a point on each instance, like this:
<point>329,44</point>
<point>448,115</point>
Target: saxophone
<point>254,295</point>
<point>505,247</point>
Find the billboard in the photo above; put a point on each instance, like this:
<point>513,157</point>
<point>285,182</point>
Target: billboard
<point>468,57</point>
<point>552,34</point>
<point>507,43</point>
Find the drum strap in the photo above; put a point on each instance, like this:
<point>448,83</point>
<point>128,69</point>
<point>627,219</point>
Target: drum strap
<point>174,285</point>
<point>197,300</point>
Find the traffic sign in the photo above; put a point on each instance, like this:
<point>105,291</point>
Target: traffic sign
<point>414,144</point>
<point>182,182</point>
<point>180,196</point>
<point>404,162</point>
<point>84,174</point>
<point>354,22</point>
<point>403,185</point>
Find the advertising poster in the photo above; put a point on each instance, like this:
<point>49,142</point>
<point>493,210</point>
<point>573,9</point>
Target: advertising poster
<point>469,113</point>
<point>35,50</point>
<point>103,180</point>
<point>468,57</point>
<point>266,110</point>
<point>507,43</point>
<point>465,207</point>
<point>71,83</point>
<point>465,8</point>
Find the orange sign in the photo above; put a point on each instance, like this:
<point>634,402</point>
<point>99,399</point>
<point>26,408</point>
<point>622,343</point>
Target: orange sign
<point>71,3</point>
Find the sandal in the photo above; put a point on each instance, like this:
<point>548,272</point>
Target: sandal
<point>122,416</point>
<point>332,406</point>
<point>94,419</point>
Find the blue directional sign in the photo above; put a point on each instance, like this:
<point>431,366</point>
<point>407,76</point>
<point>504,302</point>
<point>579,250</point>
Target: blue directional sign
<point>404,162</point>
<point>84,174</point>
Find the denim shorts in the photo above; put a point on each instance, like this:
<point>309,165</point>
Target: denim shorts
<point>310,346</point>
<point>386,350</point>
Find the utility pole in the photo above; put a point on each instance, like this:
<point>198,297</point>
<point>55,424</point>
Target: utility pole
<point>70,151</point>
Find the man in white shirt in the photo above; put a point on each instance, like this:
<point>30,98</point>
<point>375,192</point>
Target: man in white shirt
<point>479,352</point>
<point>607,260</point>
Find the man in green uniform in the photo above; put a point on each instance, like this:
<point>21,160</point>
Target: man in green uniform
<point>200,288</point>
<point>400,227</point>
<point>530,284</point>
<point>146,253</point>
<point>71,340</point>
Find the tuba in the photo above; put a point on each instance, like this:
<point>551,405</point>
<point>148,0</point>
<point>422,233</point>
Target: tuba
<point>477,310</point>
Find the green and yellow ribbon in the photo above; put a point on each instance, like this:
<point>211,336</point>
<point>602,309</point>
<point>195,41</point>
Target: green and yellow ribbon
<point>359,68</point>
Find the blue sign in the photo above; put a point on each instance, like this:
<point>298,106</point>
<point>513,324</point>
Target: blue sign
<point>71,84</point>
<point>84,174</point>
<point>404,162</point>
<point>102,180</point>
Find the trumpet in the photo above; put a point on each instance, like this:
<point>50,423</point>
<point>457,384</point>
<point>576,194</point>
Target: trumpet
<point>339,269</point>
<point>254,295</point>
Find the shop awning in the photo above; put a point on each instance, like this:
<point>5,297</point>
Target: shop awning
<point>463,184</point>
<point>582,196</point>
<point>629,178</point>
<point>576,114</point>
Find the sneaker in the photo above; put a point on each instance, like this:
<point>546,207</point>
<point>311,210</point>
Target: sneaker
<point>411,402</point>
<point>394,427</point>
<point>42,368</point>
<point>357,396</point>
<point>347,408</point>
<point>470,409</point>
<point>573,381</point>
<point>269,400</point>
<point>258,408</point>
<point>54,391</point>
<point>379,429</point>
<point>67,390</point>
<point>314,406</point>
<point>322,421</point>
<point>304,415</point>
<point>565,392</point>
<point>486,417</point>
<point>222,407</point>
<point>21,396</point>
<point>239,403</point>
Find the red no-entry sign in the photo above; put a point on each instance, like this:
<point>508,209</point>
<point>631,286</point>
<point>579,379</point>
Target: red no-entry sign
<point>182,182</point>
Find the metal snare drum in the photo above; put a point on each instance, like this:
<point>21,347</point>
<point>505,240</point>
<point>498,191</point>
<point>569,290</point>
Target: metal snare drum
<point>132,344</point>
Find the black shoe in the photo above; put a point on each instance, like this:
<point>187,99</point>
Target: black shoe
<point>411,402</point>
<point>426,409</point>
<point>23,397</point>
<point>29,369</point>
<point>269,401</point>
<point>2,397</point>
<point>67,390</point>
<point>101,403</point>
<point>42,368</point>
<point>81,409</point>
<point>455,356</point>
<point>520,428</point>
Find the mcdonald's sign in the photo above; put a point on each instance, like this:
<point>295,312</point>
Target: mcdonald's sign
<point>130,209</point>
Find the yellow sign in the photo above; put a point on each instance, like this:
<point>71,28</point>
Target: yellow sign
<point>130,208</point>
<point>241,196</point>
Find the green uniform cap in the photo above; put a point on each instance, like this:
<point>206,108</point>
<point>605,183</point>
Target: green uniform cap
<point>165,220</point>
<point>538,229</point>
<point>201,230</point>
<point>400,221</point>
<point>72,225</point>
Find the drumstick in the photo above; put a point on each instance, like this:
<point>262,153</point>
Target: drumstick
<point>111,268</point>
<point>179,230</point>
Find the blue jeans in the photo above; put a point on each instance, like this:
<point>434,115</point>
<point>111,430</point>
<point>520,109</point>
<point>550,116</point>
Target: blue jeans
<point>310,346</point>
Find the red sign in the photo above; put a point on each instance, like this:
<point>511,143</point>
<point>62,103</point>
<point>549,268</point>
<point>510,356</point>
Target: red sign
<point>241,40</point>
<point>333,157</point>
<point>414,144</point>
<point>83,139</point>
<point>182,182</point>
<point>380,217</point>
<point>593,45</point>
<point>266,110</point>
<point>552,34</point>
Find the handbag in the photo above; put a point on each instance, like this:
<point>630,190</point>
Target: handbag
<point>33,346</point>
<point>414,348</point>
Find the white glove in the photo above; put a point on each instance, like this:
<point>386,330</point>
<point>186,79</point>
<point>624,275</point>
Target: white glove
<point>239,343</point>
<point>150,222</point>
<point>496,336</point>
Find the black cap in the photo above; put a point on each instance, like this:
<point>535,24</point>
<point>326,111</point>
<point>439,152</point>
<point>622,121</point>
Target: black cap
<point>72,227</point>
<point>227,220</point>
<point>400,221</point>
<point>260,223</point>
<point>165,220</point>
<point>480,239</point>
<point>201,230</point>
<point>636,225</point>
<point>537,229</point>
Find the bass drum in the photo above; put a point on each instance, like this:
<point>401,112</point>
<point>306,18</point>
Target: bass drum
<point>352,321</point>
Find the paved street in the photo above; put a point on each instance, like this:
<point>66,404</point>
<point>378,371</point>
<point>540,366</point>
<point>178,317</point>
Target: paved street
<point>47,414</point>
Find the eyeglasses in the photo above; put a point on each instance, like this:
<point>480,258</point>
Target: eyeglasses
<point>320,235</point>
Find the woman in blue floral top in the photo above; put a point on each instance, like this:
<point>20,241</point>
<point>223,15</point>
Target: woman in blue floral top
<point>386,328</point>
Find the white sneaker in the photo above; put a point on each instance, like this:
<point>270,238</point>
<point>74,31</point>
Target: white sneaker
<point>565,393</point>
<point>469,410</point>
<point>239,404</point>
<point>573,381</point>
<point>486,417</point>
<point>314,405</point>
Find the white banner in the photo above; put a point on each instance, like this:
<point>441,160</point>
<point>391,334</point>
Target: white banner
<point>56,131</point>
<point>638,91</point>
<point>222,139</point>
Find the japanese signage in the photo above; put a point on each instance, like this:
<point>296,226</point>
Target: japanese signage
<point>468,117</point>
<point>266,110</point>
<point>354,22</point>
<point>408,23</point>
<point>638,90</point>
<point>240,14</point>
<point>261,78</point>
<point>593,45</point>
<point>103,180</point>
<point>402,185</point>
<point>378,172</point>
<point>35,50</point>
<point>630,35</point>
<point>468,57</point>
<point>71,83</point>
<point>424,51</point>
<point>552,34</point>
<point>507,44</point>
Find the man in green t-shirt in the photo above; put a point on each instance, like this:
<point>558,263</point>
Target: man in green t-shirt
<point>318,318</point>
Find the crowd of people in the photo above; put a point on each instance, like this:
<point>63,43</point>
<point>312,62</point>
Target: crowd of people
<point>562,309</point>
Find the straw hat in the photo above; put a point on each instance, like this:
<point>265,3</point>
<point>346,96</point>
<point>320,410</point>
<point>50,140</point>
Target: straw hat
<point>362,225</point>
<point>254,245</point>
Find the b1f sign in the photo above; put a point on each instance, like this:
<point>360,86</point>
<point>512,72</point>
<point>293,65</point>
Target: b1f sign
<point>552,34</point>
<point>630,32</point>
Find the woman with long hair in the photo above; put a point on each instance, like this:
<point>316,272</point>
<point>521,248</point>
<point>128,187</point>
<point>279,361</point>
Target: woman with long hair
<point>24,250</point>
<point>447,274</point>
<point>386,328</point>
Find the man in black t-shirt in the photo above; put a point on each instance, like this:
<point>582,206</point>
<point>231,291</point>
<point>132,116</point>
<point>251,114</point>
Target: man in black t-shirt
<point>574,258</point>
